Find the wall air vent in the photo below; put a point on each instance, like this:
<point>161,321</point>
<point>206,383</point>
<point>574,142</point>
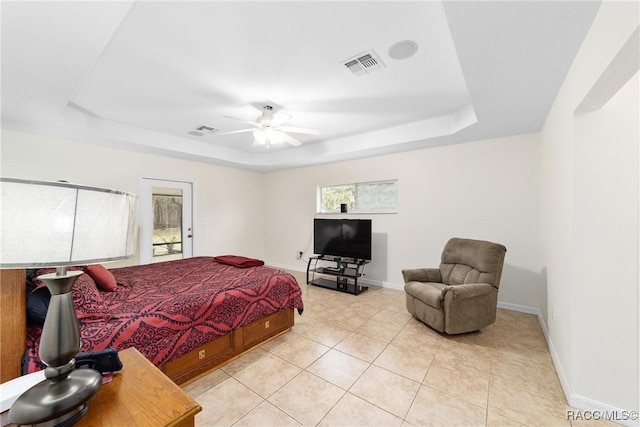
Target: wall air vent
<point>364,63</point>
<point>201,130</point>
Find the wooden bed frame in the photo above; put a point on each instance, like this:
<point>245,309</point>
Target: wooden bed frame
<point>185,368</point>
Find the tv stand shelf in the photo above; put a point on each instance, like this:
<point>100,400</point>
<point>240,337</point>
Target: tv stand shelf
<point>343,273</point>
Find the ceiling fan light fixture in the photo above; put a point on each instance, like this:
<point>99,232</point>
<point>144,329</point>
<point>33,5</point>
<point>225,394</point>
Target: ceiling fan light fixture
<point>274,136</point>
<point>268,129</point>
<point>260,136</point>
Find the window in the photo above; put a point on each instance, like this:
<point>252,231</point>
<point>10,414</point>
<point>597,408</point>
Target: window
<point>167,221</point>
<point>363,197</point>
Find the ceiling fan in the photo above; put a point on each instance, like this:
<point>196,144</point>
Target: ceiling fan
<point>268,129</point>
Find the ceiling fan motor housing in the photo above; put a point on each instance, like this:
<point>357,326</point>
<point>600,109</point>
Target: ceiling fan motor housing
<point>267,116</point>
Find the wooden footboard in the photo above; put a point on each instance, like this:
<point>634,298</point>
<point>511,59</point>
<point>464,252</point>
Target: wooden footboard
<point>218,351</point>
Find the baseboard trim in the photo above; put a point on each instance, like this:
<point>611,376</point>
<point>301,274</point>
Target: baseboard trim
<point>586,409</point>
<point>517,307</point>
<point>589,409</point>
<point>301,269</point>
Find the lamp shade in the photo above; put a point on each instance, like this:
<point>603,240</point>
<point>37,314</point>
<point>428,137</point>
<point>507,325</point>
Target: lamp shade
<point>59,224</point>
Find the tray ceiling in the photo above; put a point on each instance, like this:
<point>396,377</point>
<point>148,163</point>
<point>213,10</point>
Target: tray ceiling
<point>145,75</point>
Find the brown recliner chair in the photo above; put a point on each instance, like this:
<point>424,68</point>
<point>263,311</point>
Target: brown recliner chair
<point>462,295</point>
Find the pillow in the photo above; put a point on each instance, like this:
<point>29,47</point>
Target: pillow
<point>238,261</point>
<point>37,305</point>
<point>86,297</point>
<point>104,278</point>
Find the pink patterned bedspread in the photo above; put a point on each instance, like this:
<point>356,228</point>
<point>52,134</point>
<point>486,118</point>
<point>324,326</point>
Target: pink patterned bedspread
<point>167,309</point>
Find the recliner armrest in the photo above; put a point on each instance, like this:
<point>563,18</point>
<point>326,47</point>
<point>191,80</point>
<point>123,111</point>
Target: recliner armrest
<point>422,275</point>
<point>468,290</point>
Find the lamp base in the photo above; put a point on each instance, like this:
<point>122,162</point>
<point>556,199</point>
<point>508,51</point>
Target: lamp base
<point>56,403</point>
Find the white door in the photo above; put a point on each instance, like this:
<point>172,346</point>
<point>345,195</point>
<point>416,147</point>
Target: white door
<point>166,223</point>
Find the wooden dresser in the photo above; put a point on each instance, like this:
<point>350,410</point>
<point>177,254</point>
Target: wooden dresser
<point>140,395</point>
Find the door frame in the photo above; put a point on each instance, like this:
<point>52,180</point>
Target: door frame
<point>146,184</point>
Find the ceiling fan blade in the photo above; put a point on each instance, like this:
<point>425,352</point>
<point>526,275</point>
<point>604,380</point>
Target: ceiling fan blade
<point>279,118</point>
<point>231,132</point>
<point>290,140</point>
<point>241,120</point>
<point>294,129</point>
<point>257,144</point>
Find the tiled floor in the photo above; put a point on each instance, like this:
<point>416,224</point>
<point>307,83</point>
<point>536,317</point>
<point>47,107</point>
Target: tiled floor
<point>363,361</point>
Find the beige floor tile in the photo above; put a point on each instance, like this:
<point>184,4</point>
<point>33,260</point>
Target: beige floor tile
<point>338,368</point>
<point>361,310</point>
<point>307,398</point>
<point>311,311</point>
<point>382,297</point>
<point>267,375</point>
<point>325,333</point>
<point>226,403</point>
<point>278,341</point>
<point>361,346</point>
<point>418,337</point>
<point>239,363</point>
<point>301,351</point>
<point>495,420</point>
<point>321,311</point>
<point>202,384</point>
<point>385,325</point>
<point>392,318</point>
<point>536,377</point>
<point>353,412</point>
<point>435,408</point>
<point>395,304</point>
<point>386,390</point>
<point>521,344</point>
<point>353,316</point>
<point>347,321</point>
<point>379,331</point>
<point>514,401</point>
<point>471,356</point>
<point>484,337</point>
<point>516,320</point>
<point>404,362</point>
<point>459,381</point>
<point>266,415</point>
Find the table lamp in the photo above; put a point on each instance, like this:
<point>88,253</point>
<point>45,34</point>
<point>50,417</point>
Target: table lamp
<point>57,224</point>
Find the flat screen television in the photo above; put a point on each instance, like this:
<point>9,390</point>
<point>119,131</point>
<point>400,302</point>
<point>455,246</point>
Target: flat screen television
<point>347,238</point>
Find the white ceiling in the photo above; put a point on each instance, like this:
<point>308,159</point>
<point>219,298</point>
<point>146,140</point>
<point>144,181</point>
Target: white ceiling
<point>141,75</point>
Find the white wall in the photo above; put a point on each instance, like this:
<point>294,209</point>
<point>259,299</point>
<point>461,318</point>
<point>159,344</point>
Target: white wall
<point>589,225</point>
<point>227,202</point>
<point>485,190</point>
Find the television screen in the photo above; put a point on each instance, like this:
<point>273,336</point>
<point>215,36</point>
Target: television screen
<point>348,238</point>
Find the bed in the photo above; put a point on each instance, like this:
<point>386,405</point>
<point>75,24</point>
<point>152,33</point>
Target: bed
<point>186,316</point>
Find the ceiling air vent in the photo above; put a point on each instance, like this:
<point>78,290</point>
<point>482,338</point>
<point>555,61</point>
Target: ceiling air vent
<point>201,130</point>
<point>364,63</point>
